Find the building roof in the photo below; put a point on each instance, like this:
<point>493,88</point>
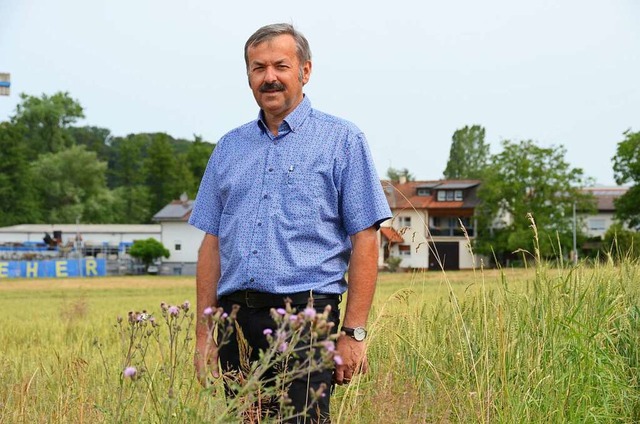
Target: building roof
<point>606,196</point>
<point>177,210</point>
<point>83,228</point>
<point>405,196</point>
<point>391,234</point>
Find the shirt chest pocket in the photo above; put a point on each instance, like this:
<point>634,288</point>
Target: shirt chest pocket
<point>301,196</point>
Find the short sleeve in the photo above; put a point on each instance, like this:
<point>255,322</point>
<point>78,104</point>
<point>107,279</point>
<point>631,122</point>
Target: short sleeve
<point>362,200</point>
<point>207,207</point>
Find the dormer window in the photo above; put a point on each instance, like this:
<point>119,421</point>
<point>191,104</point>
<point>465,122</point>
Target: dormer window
<point>450,195</point>
<point>424,192</point>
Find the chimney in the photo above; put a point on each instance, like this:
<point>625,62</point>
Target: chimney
<point>402,178</point>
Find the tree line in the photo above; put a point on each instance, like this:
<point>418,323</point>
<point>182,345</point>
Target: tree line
<point>54,172</point>
<point>526,185</point>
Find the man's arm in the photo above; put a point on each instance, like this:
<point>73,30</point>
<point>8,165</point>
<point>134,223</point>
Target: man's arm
<point>363,272</point>
<point>207,276</point>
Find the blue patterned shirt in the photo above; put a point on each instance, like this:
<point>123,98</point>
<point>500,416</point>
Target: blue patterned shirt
<point>283,207</point>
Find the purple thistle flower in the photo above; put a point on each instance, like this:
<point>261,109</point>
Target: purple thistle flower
<point>130,372</point>
<point>283,346</point>
<point>281,311</point>
<point>337,359</point>
<point>293,318</point>
<point>267,331</point>
<point>186,305</point>
<point>163,306</point>
<point>329,346</point>
<point>225,315</point>
<point>310,313</point>
<point>174,311</point>
<point>208,311</point>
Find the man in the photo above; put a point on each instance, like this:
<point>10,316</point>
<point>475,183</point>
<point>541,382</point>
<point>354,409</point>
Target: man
<point>289,202</point>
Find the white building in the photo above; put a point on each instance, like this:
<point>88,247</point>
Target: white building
<point>100,240</point>
<point>596,225</point>
<point>426,230</point>
<point>181,239</point>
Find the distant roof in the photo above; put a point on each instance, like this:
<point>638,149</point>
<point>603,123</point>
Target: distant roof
<point>178,210</point>
<point>405,196</point>
<point>392,235</point>
<point>606,196</point>
<point>83,228</point>
<point>460,185</point>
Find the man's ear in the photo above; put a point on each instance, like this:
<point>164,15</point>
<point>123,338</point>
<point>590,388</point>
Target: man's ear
<point>306,72</point>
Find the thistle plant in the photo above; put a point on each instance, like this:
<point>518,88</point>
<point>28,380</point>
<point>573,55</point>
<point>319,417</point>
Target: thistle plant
<point>155,368</point>
<point>301,343</point>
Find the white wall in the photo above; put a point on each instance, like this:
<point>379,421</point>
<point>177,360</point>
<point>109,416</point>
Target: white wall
<point>187,236</point>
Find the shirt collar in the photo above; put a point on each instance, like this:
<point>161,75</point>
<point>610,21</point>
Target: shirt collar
<point>292,121</point>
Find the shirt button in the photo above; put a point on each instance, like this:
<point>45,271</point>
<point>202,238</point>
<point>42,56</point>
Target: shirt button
<point>266,196</point>
<point>251,280</point>
<point>255,252</point>
<point>270,169</point>
<point>259,224</point>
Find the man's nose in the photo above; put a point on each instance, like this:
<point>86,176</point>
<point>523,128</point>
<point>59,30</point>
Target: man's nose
<point>270,74</point>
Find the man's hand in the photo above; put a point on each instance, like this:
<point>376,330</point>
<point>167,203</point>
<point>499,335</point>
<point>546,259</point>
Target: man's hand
<point>206,359</point>
<point>354,359</point>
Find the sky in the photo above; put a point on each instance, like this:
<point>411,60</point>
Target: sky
<point>407,73</point>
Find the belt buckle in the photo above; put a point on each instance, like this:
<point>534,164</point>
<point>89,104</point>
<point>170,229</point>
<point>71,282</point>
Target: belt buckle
<point>246,299</point>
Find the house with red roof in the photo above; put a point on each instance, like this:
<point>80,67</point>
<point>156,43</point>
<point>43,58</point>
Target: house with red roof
<point>433,223</point>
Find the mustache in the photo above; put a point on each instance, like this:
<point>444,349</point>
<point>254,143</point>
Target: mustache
<point>271,86</point>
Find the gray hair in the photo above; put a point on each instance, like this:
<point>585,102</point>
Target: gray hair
<point>269,32</point>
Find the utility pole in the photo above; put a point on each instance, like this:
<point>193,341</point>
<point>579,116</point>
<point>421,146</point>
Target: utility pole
<point>575,246</point>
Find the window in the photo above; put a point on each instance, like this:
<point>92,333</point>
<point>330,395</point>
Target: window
<point>405,250</point>
<point>404,221</point>
<point>458,195</point>
<point>596,224</point>
<point>449,196</point>
<point>442,195</point>
<point>178,246</point>
<point>424,192</point>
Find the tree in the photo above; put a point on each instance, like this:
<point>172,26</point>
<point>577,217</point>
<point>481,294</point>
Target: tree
<point>165,179</point>
<point>127,177</point>
<point>469,154</point>
<point>72,184</point>
<point>148,250</point>
<point>626,168</point>
<point>394,174</point>
<point>46,120</point>
<point>19,203</point>
<point>95,139</point>
<point>527,179</point>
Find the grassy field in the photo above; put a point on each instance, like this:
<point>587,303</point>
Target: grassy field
<point>536,345</point>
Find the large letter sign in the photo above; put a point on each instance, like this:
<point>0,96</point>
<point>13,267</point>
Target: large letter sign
<point>88,267</point>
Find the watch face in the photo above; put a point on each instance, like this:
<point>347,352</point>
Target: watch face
<point>359,333</point>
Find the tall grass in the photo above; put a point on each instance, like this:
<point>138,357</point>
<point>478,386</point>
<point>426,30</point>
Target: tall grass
<point>547,344</point>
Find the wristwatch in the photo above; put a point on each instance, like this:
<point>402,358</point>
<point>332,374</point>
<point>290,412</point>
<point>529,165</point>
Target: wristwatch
<point>358,333</point>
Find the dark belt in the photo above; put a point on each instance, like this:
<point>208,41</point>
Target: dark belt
<point>255,299</point>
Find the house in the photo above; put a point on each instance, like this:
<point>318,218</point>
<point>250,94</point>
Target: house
<point>181,239</point>
<point>432,224</point>
<point>595,226</point>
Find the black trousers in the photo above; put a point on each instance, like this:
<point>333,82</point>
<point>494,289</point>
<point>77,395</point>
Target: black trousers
<point>253,321</point>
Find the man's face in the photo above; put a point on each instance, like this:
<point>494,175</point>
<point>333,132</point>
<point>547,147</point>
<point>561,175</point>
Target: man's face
<point>275,75</point>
